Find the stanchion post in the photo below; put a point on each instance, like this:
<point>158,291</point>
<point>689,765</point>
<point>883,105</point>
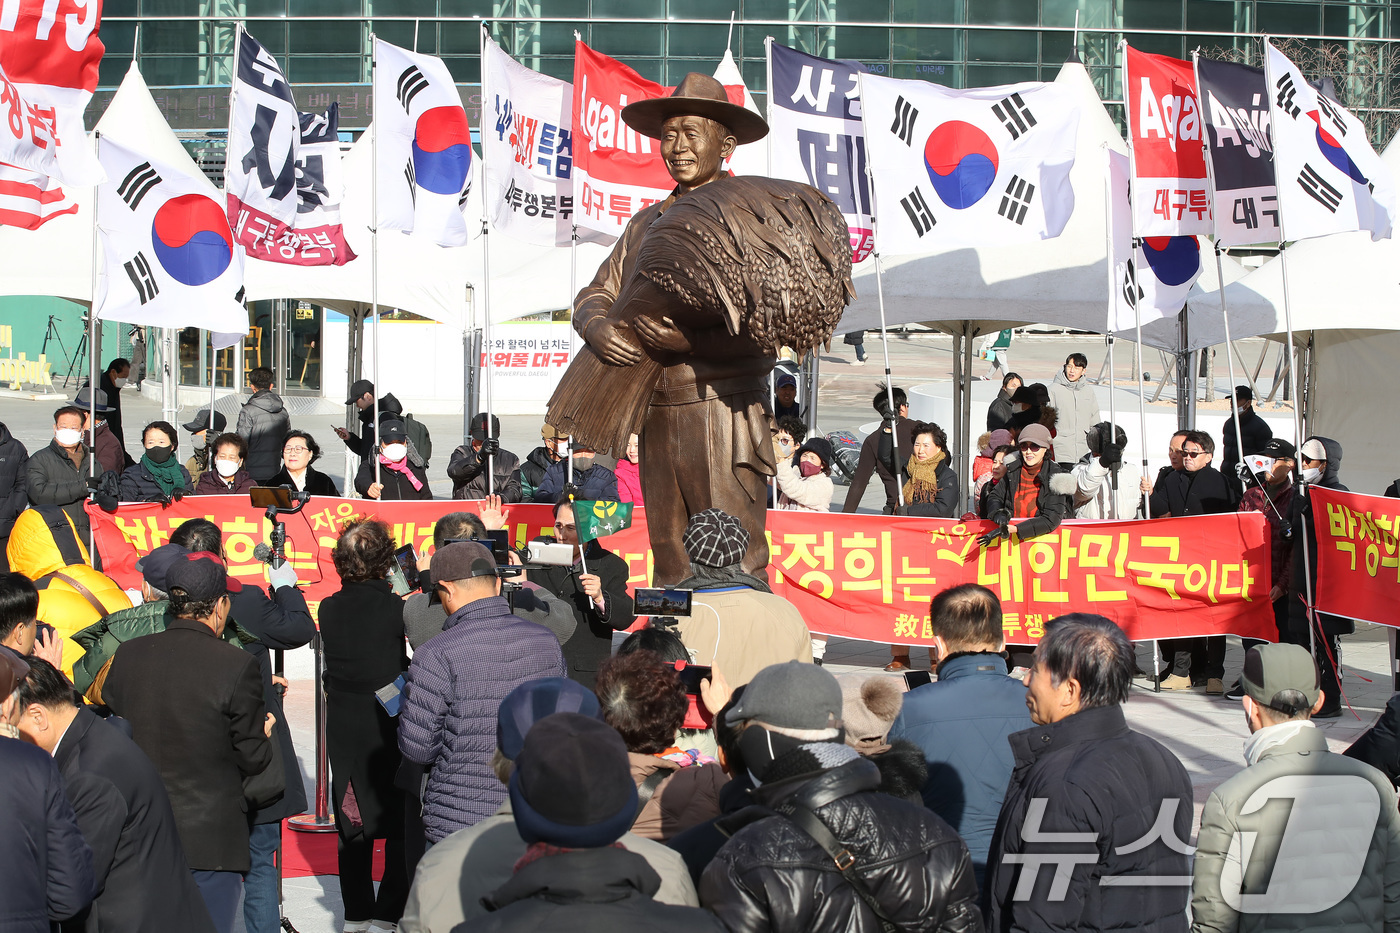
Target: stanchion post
<point>319,820</point>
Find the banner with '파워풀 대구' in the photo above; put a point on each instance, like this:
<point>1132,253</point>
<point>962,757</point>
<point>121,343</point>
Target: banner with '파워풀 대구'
<point>868,577</point>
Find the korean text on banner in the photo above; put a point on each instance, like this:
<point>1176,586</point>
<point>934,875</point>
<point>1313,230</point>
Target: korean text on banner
<point>1358,554</point>
<point>856,576</point>
<point>28,140</point>
<point>1235,103</point>
<point>527,148</point>
<point>1170,190</point>
<point>1330,180</point>
<point>168,256</point>
<point>423,147</point>
<point>982,167</point>
<point>283,180</point>
<point>815,134</point>
<point>1153,274</point>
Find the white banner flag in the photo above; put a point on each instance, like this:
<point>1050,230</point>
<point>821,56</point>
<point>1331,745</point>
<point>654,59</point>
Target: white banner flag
<point>750,158</point>
<point>1329,178</point>
<point>27,140</point>
<point>424,145</point>
<point>168,256</point>
<point>1155,277</point>
<point>979,167</point>
<point>527,149</point>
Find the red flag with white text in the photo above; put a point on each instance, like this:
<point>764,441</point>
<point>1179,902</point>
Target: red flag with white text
<point>1171,195</point>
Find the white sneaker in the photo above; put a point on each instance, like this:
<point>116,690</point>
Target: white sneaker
<point>357,926</point>
<point>857,362</point>
<point>383,926</point>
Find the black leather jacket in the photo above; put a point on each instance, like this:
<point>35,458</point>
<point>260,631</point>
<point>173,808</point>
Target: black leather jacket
<point>772,876</point>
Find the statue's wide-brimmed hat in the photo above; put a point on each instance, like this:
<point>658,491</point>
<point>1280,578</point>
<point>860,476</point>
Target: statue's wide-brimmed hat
<point>697,94</point>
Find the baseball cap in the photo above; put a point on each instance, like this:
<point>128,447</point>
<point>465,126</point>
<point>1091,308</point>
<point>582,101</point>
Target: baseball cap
<point>549,432</point>
<point>202,576</point>
<point>1244,394</point>
<point>478,429</point>
<point>1314,449</point>
<point>392,430</point>
<point>358,388</point>
<point>1037,434</point>
<point>532,701</point>
<point>201,422</point>
<point>786,379</point>
<point>156,565</point>
<point>13,669</point>
<point>795,695</point>
<point>462,560</point>
<point>1279,449</point>
<point>1269,669</point>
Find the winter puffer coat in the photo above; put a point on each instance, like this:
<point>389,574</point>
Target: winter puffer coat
<point>532,470</point>
<point>263,422</point>
<point>101,640</point>
<point>629,482</point>
<point>596,482</point>
<point>14,480</point>
<point>773,876</point>
<point>212,484</point>
<point>138,485</point>
<point>45,547</point>
<point>467,470</point>
<point>1076,411</point>
<point>455,687</point>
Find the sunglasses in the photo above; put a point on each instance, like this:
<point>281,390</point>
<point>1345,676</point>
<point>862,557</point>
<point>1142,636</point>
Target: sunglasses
<point>1193,453</point>
<point>1029,446</point>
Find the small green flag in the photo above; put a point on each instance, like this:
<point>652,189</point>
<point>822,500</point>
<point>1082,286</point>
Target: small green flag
<point>598,518</point>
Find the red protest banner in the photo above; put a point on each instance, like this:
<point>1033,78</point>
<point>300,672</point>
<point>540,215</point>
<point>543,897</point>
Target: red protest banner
<point>1358,564</point>
<point>869,577</point>
<point>1170,197</point>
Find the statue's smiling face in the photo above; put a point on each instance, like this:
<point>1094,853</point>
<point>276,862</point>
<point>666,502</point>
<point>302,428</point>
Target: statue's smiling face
<point>694,149</point>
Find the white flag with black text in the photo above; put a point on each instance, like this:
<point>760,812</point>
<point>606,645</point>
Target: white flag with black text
<point>1152,276</point>
<point>1329,178</point>
<point>977,167</point>
<point>424,146</point>
<point>168,255</point>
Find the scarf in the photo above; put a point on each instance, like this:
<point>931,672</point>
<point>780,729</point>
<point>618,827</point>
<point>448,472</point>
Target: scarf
<point>169,475</point>
<point>401,467</point>
<point>1271,737</point>
<point>922,485</point>
<point>538,850</point>
<point>707,578</point>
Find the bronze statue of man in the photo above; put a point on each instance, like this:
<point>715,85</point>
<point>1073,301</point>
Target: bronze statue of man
<point>683,321</point>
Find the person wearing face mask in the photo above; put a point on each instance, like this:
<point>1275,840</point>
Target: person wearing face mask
<point>804,480</point>
<point>399,477</point>
<point>1321,460</point>
<point>105,445</point>
<point>199,440</point>
<point>299,451</point>
<point>537,462</point>
<point>592,480</point>
<point>790,434</point>
<point>629,474</point>
<point>58,474</point>
<point>158,476</point>
<point>111,382</point>
<point>228,477</point>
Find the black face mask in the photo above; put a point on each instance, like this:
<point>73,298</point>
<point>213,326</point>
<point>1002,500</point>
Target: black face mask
<point>159,454</point>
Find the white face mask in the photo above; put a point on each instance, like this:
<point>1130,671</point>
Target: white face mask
<point>395,452</point>
<point>67,437</point>
<point>1312,474</point>
<point>226,468</point>
<point>118,381</point>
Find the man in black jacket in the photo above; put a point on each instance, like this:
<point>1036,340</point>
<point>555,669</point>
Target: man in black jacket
<point>14,483</point>
<point>111,382</point>
<point>1254,431</point>
<point>122,810</point>
<point>467,468</point>
<point>263,422</point>
<point>999,412</point>
<point>900,865</point>
<point>878,455</point>
<point>46,865</point>
<point>1043,509</point>
<point>195,708</point>
<point>58,473</point>
<point>280,621</point>
<point>1321,460</point>
<point>1089,798</point>
<point>1196,489</point>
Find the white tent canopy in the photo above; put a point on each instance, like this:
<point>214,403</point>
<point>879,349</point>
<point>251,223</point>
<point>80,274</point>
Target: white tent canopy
<point>1061,281</point>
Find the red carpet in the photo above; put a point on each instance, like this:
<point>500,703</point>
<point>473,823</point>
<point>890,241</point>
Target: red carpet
<point>305,854</point>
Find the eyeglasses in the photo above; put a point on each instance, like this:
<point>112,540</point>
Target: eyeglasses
<point>1193,453</point>
<point>296,450</point>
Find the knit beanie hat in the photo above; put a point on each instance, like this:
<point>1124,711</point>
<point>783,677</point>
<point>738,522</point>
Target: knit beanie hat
<point>869,706</point>
<point>572,786</point>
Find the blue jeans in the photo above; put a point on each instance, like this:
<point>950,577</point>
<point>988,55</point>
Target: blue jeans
<point>260,910</point>
<point>220,890</point>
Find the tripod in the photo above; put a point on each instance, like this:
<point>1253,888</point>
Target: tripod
<point>52,332</point>
<point>76,361</point>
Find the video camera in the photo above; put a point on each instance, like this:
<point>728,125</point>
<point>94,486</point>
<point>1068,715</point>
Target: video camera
<point>277,500</point>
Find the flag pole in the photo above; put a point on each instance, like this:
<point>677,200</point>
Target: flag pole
<point>1137,367</point>
<point>93,350</point>
<point>374,258</point>
<point>768,99</point>
<point>893,418</point>
<point>1112,317</point>
<point>486,289</point>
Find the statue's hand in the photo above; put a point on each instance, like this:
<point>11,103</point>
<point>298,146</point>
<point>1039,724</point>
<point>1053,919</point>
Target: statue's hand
<point>608,341</point>
<point>664,335</point>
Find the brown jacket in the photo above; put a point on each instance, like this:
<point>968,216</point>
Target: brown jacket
<point>687,798</point>
<point>742,631</point>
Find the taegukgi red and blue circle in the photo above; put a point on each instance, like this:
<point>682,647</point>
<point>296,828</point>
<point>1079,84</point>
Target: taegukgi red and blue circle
<point>1333,152</point>
<point>1174,260</point>
<point>962,163</point>
<point>192,240</point>
<point>442,150</point>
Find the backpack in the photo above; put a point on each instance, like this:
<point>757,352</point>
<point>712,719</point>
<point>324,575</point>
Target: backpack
<point>418,433</point>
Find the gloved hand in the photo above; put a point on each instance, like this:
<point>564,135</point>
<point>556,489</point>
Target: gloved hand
<point>176,495</point>
<point>1245,474</point>
<point>94,482</point>
<point>281,576</point>
<point>489,448</point>
<point>1111,455</point>
<point>1002,530</point>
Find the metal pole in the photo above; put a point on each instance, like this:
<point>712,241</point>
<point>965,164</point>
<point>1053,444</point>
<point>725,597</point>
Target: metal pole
<point>486,286</point>
<point>374,258</point>
<point>93,352</point>
<point>318,821</point>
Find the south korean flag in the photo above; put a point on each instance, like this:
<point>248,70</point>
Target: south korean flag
<point>1152,276</point>
<point>1330,180</point>
<point>168,255</point>
<point>424,146</point>
<point>978,167</point>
